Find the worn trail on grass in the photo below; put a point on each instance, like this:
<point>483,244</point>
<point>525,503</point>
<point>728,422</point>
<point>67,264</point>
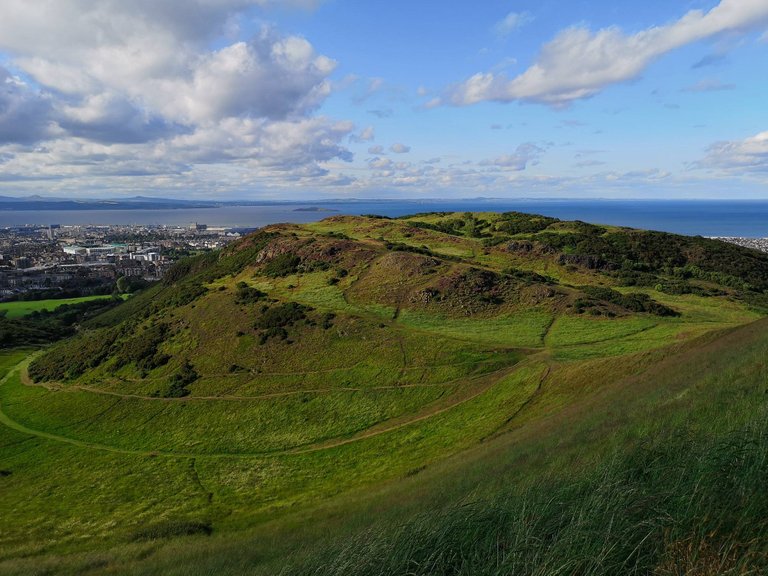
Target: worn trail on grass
<point>381,428</point>
<point>58,387</point>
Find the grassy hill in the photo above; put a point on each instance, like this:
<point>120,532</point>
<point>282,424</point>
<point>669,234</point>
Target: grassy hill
<point>444,393</point>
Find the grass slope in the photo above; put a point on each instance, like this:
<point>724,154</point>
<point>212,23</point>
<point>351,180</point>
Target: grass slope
<point>310,378</point>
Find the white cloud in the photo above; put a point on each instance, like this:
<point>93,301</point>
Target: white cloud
<point>377,150</point>
<point>748,155</point>
<point>130,84</point>
<point>380,164</point>
<point>579,63</point>
<point>511,22</point>
<point>25,115</point>
<point>399,148</point>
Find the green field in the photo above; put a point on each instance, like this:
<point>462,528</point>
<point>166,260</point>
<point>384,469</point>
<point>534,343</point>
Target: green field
<point>317,403</point>
<point>20,309</point>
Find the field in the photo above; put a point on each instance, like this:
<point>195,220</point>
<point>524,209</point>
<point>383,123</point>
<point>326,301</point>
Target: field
<point>263,403</point>
<point>20,309</point>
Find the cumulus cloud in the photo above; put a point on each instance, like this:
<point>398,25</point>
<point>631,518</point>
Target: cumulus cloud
<point>378,150</point>
<point>380,163</point>
<point>25,114</point>
<point>109,117</point>
<point>580,63</point>
<point>748,155</point>
<point>137,82</point>
<point>399,148</point>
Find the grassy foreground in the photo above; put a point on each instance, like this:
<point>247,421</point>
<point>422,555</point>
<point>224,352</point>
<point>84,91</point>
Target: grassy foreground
<point>445,394</point>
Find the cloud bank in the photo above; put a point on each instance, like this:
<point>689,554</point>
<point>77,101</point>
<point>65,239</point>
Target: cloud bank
<point>170,82</point>
<point>579,63</point>
<point>740,156</point>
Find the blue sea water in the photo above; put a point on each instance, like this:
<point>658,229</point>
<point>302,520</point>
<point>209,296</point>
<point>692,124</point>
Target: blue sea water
<point>745,218</point>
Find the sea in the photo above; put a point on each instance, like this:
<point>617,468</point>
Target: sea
<point>724,218</point>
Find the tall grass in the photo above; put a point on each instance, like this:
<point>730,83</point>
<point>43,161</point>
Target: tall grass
<point>679,505</point>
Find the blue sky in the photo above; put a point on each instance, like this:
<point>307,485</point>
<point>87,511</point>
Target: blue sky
<point>331,99</point>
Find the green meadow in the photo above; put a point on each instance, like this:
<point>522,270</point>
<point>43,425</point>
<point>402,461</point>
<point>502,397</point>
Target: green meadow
<point>20,309</point>
<point>376,396</point>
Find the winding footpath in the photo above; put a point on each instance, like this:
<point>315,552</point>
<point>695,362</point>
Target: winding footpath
<point>430,411</point>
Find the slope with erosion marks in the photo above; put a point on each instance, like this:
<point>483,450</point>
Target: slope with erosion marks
<point>306,361</point>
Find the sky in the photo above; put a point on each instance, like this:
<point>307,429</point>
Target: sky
<point>321,99</point>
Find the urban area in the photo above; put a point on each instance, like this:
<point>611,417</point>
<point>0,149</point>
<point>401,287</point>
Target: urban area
<point>70,261</point>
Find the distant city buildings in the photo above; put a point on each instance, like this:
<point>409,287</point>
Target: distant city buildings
<point>88,259</point>
<point>754,243</point>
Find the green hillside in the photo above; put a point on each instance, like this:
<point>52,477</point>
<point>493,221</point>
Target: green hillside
<point>400,396</point>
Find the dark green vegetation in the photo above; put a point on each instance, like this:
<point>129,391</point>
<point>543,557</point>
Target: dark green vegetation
<point>45,321</point>
<point>439,394</point>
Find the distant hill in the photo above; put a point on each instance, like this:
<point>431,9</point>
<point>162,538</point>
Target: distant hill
<point>133,203</point>
<point>451,393</point>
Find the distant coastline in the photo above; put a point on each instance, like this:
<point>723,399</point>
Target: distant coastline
<point>722,218</point>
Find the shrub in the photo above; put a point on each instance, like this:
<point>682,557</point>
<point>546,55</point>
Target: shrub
<point>179,381</point>
<point>274,321</point>
<point>282,265</point>
<point>247,294</point>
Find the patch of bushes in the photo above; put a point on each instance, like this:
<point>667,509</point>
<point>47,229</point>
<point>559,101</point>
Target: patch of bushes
<point>46,326</point>
<point>337,235</point>
<point>180,380</point>
<point>286,314</point>
<point>528,276</point>
<point>520,223</point>
<point>72,358</point>
<point>634,252</point>
<point>142,349</point>
<point>402,247</point>
<point>247,294</point>
<point>282,265</point>
<point>633,302</point>
<point>327,321</point>
<point>275,320</point>
<point>467,225</point>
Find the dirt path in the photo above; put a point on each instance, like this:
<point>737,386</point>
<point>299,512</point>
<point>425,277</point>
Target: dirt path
<point>391,426</point>
<point>57,387</point>
<point>381,428</point>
